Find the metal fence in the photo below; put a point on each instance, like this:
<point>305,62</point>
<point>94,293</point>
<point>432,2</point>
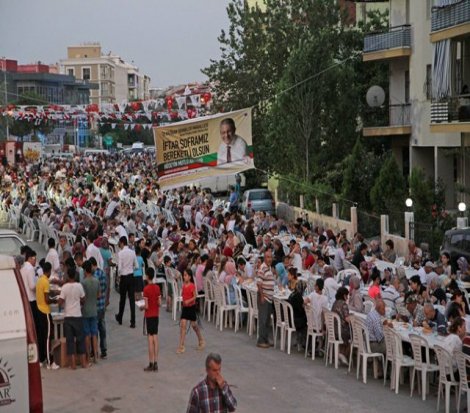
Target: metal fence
<point>399,36</point>
<point>388,115</point>
<point>450,15</point>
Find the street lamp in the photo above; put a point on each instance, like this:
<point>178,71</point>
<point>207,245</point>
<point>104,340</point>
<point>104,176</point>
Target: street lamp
<point>462,207</point>
<point>409,202</point>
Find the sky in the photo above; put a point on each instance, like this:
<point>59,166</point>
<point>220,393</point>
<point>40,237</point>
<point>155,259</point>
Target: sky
<point>169,40</point>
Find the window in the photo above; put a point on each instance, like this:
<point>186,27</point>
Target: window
<point>86,73</point>
<point>428,84</point>
<point>407,86</point>
<point>457,241</point>
<point>71,71</point>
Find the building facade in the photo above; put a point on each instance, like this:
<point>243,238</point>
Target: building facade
<point>52,88</point>
<point>117,79</point>
<point>426,110</point>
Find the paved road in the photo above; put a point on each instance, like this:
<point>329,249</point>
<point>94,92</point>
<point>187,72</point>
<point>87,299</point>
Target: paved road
<point>262,380</point>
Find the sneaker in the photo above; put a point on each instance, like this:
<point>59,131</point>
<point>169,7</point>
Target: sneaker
<point>155,366</point>
<point>343,359</point>
<point>53,366</point>
<point>116,316</point>
<point>149,367</point>
<point>103,355</point>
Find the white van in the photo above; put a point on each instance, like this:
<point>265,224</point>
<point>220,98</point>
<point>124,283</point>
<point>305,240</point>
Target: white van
<point>92,152</point>
<point>20,376</point>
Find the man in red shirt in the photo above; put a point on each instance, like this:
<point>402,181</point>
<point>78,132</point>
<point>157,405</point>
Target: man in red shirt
<point>152,309</point>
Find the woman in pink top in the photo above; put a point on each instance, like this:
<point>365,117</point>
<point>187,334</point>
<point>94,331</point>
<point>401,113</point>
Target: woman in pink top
<point>374,290</point>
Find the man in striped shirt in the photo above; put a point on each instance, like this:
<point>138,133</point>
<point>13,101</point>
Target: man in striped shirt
<point>265,299</point>
<point>213,394</point>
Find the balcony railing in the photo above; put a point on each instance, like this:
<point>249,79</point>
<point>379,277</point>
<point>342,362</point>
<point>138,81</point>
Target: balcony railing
<point>453,109</point>
<point>390,115</point>
<point>399,36</point>
<point>451,15</point>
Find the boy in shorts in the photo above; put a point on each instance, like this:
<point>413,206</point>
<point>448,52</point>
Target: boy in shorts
<point>91,285</point>
<point>152,310</point>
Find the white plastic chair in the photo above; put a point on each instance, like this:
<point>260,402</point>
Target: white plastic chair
<point>224,309</point>
<point>399,360</point>
<point>253,311</point>
<point>279,325</point>
<point>240,308</point>
<point>313,331</point>
<point>289,326</point>
<point>446,375</point>
<point>209,299</point>
<point>177,299</point>
<point>354,344</point>
<point>425,366</point>
<point>389,348</point>
<point>463,362</point>
<point>333,337</point>
<point>364,350</point>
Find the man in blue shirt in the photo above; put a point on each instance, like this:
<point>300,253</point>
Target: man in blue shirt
<point>233,199</point>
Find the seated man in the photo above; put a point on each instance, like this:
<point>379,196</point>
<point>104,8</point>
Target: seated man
<point>375,327</point>
<point>435,320</point>
<point>415,311</point>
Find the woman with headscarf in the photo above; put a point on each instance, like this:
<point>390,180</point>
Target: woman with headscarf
<point>462,263</point>
<point>355,298</point>
<point>229,276</point>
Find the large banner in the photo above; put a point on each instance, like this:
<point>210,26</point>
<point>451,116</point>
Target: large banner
<point>199,148</point>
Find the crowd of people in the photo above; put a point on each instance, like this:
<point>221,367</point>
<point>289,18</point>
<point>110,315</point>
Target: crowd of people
<point>119,218</point>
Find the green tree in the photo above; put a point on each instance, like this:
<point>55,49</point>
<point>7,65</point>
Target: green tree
<point>388,193</point>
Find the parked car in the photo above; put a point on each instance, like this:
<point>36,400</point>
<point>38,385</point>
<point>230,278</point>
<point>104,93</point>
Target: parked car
<point>10,243</point>
<point>20,375</point>
<point>457,243</point>
<point>258,200</point>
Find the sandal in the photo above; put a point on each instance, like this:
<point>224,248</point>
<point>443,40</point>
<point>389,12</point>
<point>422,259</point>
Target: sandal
<point>201,345</point>
<point>180,350</point>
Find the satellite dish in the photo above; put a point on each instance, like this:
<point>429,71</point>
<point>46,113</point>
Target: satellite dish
<point>375,96</point>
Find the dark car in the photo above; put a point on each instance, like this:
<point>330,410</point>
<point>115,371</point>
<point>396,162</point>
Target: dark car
<point>457,244</point>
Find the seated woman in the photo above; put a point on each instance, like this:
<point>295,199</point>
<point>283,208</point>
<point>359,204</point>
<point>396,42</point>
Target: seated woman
<point>355,298</point>
<point>457,332</point>
<point>375,292</point>
<point>229,277</point>
<point>341,308</point>
<point>292,278</point>
<point>300,318</point>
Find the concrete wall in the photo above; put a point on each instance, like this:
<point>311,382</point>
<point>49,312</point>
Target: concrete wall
<point>290,213</point>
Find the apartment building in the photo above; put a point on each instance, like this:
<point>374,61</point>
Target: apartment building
<point>118,80</point>
<point>427,111</point>
<point>39,79</point>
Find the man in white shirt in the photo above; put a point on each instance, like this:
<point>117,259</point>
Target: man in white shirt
<point>126,262</point>
<point>28,274</point>
<point>317,302</point>
<point>330,284</point>
<point>93,251</point>
<point>340,262</point>
<point>426,273</point>
<point>233,147</point>
<point>53,258</point>
<point>199,217</point>
<point>112,205</point>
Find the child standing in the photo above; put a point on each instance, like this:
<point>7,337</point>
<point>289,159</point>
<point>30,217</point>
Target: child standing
<point>152,310</point>
<point>189,294</point>
<point>91,286</point>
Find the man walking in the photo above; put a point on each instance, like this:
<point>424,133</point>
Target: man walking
<point>127,262</point>
<point>213,394</point>
<point>265,299</point>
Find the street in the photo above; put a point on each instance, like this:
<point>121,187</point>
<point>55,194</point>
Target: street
<point>261,380</point>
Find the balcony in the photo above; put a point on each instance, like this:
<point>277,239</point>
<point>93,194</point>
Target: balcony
<point>395,42</point>
<point>389,120</point>
<point>450,21</point>
<point>451,115</point>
